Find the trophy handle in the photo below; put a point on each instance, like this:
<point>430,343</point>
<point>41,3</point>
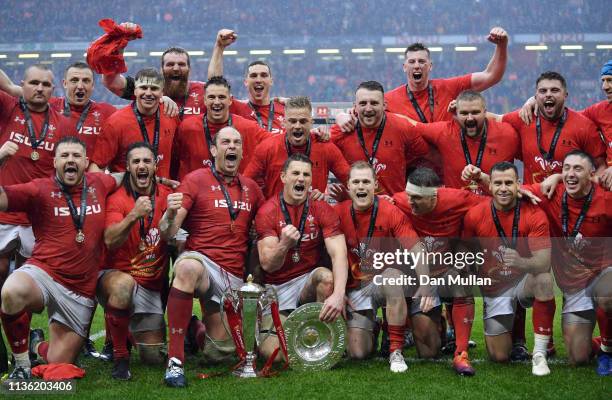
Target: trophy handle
<point>266,299</point>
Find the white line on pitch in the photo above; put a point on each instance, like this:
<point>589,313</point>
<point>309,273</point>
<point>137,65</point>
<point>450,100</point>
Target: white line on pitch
<point>97,335</point>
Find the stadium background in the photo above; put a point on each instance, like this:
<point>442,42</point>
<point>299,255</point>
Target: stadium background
<point>324,50</point>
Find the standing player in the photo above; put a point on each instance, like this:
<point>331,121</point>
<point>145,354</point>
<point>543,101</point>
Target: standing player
<point>373,225</point>
<point>86,116</point>
<point>601,115</point>
<point>556,131</point>
<point>29,132</point>
<point>143,120</point>
<point>196,135</point>
<point>217,207</point>
<point>271,154</point>
<point>137,262</point>
<point>426,100</point>
<point>470,139</point>
<point>291,230</point>
<point>385,140</point>
<point>436,214</point>
<point>175,68</point>
<point>67,214</point>
<point>514,237</point>
<point>258,80</point>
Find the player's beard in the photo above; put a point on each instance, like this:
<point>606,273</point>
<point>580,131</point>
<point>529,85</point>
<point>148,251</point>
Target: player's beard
<point>175,89</point>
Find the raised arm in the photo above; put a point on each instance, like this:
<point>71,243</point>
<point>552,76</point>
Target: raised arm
<point>494,71</point>
<point>116,234</point>
<point>225,37</point>
<point>174,216</point>
<point>7,85</point>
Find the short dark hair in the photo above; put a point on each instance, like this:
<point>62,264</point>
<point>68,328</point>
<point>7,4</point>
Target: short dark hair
<point>71,139</point>
<point>582,155</point>
<point>257,62</point>
<point>371,85</point>
<point>552,76</point>
<point>43,67</point>
<point>504,166</point>
<point>424,176</point>
<point>77,65</point>
<point>150,73</point>
<point>470,95</point>
<point>139,145</point>
<point>361,164</point>
<point>296,157</point>
<point>417,47</point>
<point>175,49</point>
<point>299,102</point>
<point>219,81</point>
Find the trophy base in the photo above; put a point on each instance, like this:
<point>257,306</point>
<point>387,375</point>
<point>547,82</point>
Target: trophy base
<point>248,369</point>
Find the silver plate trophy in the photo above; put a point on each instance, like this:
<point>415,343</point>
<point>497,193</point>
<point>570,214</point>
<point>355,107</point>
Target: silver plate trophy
<point>313,345</point>
<point>249,301</point>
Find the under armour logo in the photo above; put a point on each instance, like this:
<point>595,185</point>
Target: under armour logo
<point>175,331</point>
<point>91,189</point>
<point>96,114</point>
<point>20,120</point>
<point>213,187</point>
<point>56,194</point>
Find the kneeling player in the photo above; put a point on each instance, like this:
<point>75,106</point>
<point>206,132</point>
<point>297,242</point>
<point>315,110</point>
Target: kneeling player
<point>291,228</point>
<point>67,214</point>
<point>137,260</point>
<point>514,237</point>
<point>367,222</point>
<point>218,207</point>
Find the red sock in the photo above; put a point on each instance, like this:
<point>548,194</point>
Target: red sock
<point>109,337</point>
<point>43,349</point>
<point>543,316</point>
<point>463,316</point>
<point>518,329</point>
<point>180,305</point>
<point>17,330</point>
<point>396,337</point>
<point>595,345</point>
<point>117,321</point>
<point>604,320</point>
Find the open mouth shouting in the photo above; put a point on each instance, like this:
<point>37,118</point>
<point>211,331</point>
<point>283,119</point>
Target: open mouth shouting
<point>299,190</point>
<point>549,106</point>
<point>417,76</point>
<point>571,183</point>
<point>142,178</point>
<point>71,173</point>
<point>79,96</point>
<point>258,89</point>
<point>231,160</point>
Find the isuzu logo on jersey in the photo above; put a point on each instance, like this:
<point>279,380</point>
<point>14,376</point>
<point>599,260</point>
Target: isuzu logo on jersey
<point>238,205</point>
<point>192,110</point>
<point>24,139</point>
<point>90,130</point>
<point>65,211</point>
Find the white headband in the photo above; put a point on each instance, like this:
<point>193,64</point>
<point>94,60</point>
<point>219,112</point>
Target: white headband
<point>424,191</point>
<point>147,81</point>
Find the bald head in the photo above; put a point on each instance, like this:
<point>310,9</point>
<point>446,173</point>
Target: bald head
<point>227,151</point>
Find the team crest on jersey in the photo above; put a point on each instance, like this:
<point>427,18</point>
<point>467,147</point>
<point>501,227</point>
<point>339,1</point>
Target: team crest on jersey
<point>92,192</point>
<point>207,163</point>
<point>576,247</point>
<point>498,253</point>
<point>194,95</point>
<point>433,244</point>
<point>547,165</point>
<point>378,166</point>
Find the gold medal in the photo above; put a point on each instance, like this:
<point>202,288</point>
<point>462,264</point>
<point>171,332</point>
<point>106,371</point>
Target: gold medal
<point>34,155</point>
<point>295,256</point>
<point>232,226</point>
<point>80,237</point>
<point>142,245</point>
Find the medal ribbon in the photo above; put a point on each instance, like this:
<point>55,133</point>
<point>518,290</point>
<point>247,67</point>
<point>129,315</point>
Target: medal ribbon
<point>363,250</point>
<point>285,211</point>
<point>379,133</point>
<point>143,231</point>
<point>77,219</point>
<point>416,106</point>
<point>28,117</point>
<point>83,116</point>
<point>208,136</point>
<point>233,213</point>
<point>288,146</point>
<point>259,117</point>
<point>581,216</point>
<point>553,144</point>
<point>481,147</point>
<point>143,128</point>
<point>515,225</point>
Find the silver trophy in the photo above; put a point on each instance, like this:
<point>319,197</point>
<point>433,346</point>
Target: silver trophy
<point>249,301</point>
<point>313,345</point>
